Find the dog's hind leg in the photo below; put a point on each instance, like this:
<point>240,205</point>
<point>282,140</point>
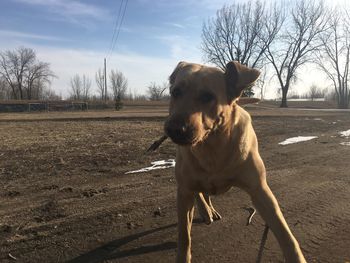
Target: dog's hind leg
<point>206,209</point>
<point>216,215</point>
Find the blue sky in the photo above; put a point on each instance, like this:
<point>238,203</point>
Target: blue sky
<point>147,26</point>
<point>74,36</point>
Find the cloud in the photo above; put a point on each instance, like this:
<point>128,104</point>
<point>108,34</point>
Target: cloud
<point>175,25</point>
<point>182,47</point>
<point>16,34</point>
<point>212,5</point>
<point>65,62</point>
<point>181,4</point>
<point>140,70</point>
<point>69,8</point>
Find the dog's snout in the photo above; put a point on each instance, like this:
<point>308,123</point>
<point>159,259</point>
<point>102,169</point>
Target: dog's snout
<point>179,131</point>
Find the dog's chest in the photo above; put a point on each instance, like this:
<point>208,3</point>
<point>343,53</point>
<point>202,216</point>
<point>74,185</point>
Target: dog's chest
<point>212,183</point>
<point>209,175</point>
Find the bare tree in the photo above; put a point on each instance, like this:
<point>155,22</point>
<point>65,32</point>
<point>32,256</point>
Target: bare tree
<point>76,86</point>
<point>80,87</point>
<point>3,88</point>
<point>13,66</point>
<point>86,87</point>
<point>99,78</point>
<point>21,69</point>
<point>297,43</point>
<point>241,32</point>
<point>37,89</point>
<point>315,92</point>
<point>155,91</point>
<point>334,56</point>
<point>129,95</point>
<point>261,83</point>
<point>49,94</point>
<point>37,76</point>
<point>119,85</point>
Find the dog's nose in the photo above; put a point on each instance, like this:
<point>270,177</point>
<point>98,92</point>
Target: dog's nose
<point>179,131</point>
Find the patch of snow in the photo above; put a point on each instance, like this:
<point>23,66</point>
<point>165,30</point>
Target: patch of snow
<point>308,99</point>
<point>345,143</point>
<point>325,110</point>
<point>297,139</point>
<point>345,133</point>
<point>162,164</point>
<point>318,119</point>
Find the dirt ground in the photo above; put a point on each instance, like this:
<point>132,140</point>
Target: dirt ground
<point>65,196</point>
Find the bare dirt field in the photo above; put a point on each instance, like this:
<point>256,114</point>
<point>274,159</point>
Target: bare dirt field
<point>65,196</point>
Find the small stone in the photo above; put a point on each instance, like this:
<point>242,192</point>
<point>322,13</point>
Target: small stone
<point>13,193</point>
<point>5,228</point>
<point>130,225</point>
<point>158,212</point>
<point>67,189</point>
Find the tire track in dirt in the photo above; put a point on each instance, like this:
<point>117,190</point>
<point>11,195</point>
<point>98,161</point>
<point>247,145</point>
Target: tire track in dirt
<point>318,219</point>
<point>321,217</point>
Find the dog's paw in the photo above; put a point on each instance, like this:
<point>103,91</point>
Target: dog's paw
<point>216,215</point>
<point>209,216</point>
<point>206,218</point>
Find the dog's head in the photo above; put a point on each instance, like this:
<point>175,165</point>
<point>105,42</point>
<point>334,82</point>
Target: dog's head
<point>202,99</point>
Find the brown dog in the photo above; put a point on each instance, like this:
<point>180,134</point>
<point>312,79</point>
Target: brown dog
<point>218,149</point>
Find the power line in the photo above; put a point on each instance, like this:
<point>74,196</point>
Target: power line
<point>116,22</point>
<point>120,24</point>
<point>117,31</point>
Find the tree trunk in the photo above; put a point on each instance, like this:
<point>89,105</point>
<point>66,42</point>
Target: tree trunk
<point>14,93</point>
<point>343,103</point>
<point>20,92</point>
<point>284,98</point>
<point>29,94</point>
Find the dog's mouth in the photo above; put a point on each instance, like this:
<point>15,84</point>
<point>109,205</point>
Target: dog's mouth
<point>181,139</point>
<point>184,137</point>
<point>182,142</point>
<point>187,141</point>
<point>184,134</point>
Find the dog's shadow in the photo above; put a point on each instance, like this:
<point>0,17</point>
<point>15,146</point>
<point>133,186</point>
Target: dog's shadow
<point>112,250</point>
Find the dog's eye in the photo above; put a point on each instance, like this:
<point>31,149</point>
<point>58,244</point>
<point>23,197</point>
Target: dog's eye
<point>176,93</point>
<point>206,97</point>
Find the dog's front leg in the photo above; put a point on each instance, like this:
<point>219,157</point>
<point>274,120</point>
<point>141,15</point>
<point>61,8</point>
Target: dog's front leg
<point>185,208</point>
<point>266,204</point>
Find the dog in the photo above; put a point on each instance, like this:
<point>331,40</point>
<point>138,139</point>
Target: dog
<point>217,149</point>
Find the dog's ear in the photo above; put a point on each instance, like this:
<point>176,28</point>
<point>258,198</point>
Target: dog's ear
<point>239,77</point>
<point>172,77</point>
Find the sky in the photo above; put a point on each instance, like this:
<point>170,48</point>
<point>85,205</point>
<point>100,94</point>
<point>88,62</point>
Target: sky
<point>75,36</point>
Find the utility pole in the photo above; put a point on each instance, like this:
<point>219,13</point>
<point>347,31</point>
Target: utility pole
<point>105,82</point>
